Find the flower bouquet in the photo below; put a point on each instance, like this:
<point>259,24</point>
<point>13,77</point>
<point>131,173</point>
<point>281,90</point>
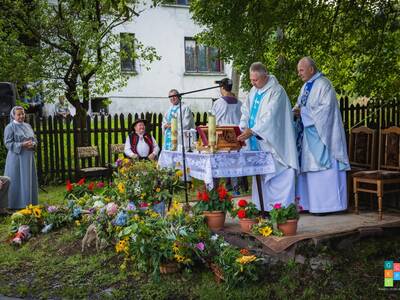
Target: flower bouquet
<point>247,213</point>
<point>213,205</point>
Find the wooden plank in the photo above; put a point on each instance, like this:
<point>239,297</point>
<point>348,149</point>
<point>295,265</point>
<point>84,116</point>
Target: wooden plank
<point>39,149</point>
<point>62,152</point>
<point>51,146</point>
<point>45,148</point>
<point>57,173</point>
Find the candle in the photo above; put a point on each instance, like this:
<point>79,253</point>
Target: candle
<point>211,129</point>
<point>174,132</point>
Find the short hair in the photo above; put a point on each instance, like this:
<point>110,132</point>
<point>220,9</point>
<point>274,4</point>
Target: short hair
<point>311,62</point>
<point>259,67</point>
<point>173,91</point>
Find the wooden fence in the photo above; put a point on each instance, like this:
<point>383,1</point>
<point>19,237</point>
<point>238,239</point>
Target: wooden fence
<point>58,138</point>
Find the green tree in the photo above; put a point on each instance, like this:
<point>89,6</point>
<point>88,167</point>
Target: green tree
<point>79,44</point>
<point>355,43</point>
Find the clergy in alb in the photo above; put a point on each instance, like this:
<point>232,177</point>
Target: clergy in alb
<point>20,142</point>
<point>321,143</point>
<point>173,112</point>
<point>267,125</point>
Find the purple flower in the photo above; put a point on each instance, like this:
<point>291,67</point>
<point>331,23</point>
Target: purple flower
<point>52,208</point>
<point>118,162</point>
<point>130,206</point>
<point>200,246</point>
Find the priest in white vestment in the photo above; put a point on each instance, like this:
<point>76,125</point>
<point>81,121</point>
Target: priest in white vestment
<point>267,126</point>
<point>321,143</point>
<point>173,112</point>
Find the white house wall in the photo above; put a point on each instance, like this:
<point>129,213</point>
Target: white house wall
<point>164,28</point>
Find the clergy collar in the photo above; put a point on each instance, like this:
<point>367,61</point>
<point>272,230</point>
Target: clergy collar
<point>271,82</point>
<point>315,76</point>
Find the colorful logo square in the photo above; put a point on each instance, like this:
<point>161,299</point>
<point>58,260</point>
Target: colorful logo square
<point>388,282</point>
<point>396,276</point>
<point>388,264</point>
<point>396,267</point>
<point>388,273</point>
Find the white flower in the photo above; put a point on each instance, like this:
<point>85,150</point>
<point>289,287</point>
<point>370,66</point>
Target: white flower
<point>214,237</point>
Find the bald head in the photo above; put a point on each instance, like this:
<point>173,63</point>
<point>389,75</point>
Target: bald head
<point>306,68</point>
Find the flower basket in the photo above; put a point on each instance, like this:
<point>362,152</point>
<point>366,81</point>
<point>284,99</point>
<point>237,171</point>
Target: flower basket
<point>218,274</point>
<point>215,219</point>
<point>246,224</point>
<point>168,268</point>
<point>289,228</point>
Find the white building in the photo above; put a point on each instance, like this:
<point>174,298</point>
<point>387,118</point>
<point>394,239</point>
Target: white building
<point>184,65</point>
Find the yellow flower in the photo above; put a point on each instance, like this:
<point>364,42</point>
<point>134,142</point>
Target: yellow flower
<point>179,258</point>
<point>37,212</point>
<point>179,173</point>
<point>122,246</point>
<point>143,195</point>
<point>77,223</point>
<point>136,218</point>
<point>176,209</point>
<point>25,211</point>
<point>158,190</point>
<point>175,247</point>
<point>265,231</point>
<point>245,259</point>
<point>121,187</point>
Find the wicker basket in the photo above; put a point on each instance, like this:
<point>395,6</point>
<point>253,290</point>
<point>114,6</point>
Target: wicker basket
<point>168,268</point>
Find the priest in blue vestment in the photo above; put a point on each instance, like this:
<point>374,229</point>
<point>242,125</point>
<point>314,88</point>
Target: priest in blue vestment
<point>321,143</point>
<point>267,125</point>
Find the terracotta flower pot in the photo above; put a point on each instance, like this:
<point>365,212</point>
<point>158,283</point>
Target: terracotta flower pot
<point>215,219</point>
<point>289,228</point>
<point>168,268</point>
<point>245,224</point>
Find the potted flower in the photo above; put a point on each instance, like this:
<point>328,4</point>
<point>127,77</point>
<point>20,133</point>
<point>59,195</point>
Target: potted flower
<point>247,213</point>
<point>213,205</point>
<point>286,218</point>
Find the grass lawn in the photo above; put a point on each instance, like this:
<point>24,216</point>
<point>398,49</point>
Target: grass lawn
<point>52,266</point>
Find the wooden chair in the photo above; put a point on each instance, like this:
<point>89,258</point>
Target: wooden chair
<point>87,154</point>
<point>362,153</point>
<point>114,150</point>
<point>388,172</point>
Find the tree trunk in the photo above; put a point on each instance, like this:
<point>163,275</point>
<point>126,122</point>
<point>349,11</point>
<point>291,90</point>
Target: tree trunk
<point>236,81</point>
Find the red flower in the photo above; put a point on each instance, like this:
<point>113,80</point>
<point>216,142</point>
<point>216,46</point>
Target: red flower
<point>277,206</point>
<point>91,186</point>
<point>69,186</point>
<point>81,182</point>
<point>205,197</point>
<point>222,192</point>
<point>143,204</point>
<point>242,203</point>
<point>241,214</point>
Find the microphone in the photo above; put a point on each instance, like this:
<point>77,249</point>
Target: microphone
<point>226,83</point>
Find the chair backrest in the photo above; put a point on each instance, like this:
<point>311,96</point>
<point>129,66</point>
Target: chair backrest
<point>85,154</point>
<point>390,154</point>
<point>363,147</point>
<point>116,148</point>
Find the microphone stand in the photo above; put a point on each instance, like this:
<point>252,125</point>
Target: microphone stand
<point>179,95</point>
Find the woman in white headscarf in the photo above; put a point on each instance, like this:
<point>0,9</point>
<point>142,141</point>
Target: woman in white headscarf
<point>20,142</point>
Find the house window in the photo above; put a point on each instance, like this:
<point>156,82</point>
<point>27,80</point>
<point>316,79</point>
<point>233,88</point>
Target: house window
<point>201,59</point>
<point>183,2</point>
<point>127,52</point>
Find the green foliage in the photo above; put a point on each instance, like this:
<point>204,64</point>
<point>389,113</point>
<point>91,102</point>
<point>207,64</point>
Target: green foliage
<point>355,43</point>
<point>79,48</point>
<point>280,214</point>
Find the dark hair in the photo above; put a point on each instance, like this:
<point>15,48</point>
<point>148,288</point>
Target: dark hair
<point>226,83</point>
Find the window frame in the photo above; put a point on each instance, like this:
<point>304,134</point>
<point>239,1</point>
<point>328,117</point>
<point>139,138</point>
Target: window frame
<point>132,59</point>
<point>208,59</point>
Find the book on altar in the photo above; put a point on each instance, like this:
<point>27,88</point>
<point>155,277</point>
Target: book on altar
<point>226,138</point>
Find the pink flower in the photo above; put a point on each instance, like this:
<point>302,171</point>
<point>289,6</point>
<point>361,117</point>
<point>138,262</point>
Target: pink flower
<point>100,184</point>
<point>200,246</point>
<point>300,208</point>
<point>277,206</point>
<point>111,209</point>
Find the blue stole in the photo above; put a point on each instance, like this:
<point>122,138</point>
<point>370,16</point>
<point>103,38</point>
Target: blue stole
<point>299,123</point>
<point>167,142</point>
<point>252,120</point>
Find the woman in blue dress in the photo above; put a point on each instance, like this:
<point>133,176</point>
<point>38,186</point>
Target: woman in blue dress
<point>20,142</point>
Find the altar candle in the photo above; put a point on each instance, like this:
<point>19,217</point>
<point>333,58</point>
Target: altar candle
<point>174,131</point>
<point>211,129</point>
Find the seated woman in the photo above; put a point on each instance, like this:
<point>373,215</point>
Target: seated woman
<point>139,144</point>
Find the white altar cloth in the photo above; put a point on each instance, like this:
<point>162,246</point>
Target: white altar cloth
<point>206,166</point>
